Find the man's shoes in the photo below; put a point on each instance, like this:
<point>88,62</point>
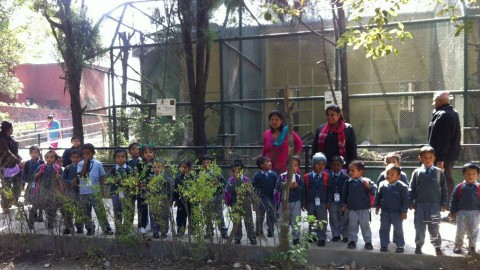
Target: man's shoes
<point>399,250</point>
<point>253,242</point>
<point>238,241</point>
<point>383,249</point>
<point>438,251</point>
<point>336,239</point>
<point>418,250</point>
<point>345,240</point>
<point>369,246</point>
<point>296,242</point>
<point>472,251</point>
<point>352,245</point>
<point>66,231</point>
<point>321,243</point>
<point>269,234</point>
<point>458,250</point>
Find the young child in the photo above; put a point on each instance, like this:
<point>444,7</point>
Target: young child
<point>355,199</point>
<point>263,183</point>
<point>45,189</point>
<point>392,197</point>
<point>296,197</point>
<point>160,199</point>
<point>145,173</point>
<point>217,198</point>
<point>318,195</point>
<point>28,172</point>
<point>123,209</point>
<point>465,208</point>
<point>134,151</point>
<point>338,219</point>
<point>67,153</point>
<point>395,159</point>
<point>184,207</point>
<point>91,180</point>
<point>71,192</point>
<point>239,196</point>
<point>428,195</point>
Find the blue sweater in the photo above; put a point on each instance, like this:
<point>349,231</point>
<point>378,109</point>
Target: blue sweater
<point>392,197</point>
<point>316,188</point>
<point>295,194</point>
<point>355,195</point>
<point>338,181</point>
<point>264,185</point>
<point>428,188</point>
<point>29,169</point>
<point>70,173</point>
<point>118,174</point>
<point>468,200</point>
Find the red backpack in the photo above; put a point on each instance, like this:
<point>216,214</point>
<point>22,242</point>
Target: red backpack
<point>371,196</point>
<point>460,188</point>
<point>307,180</point>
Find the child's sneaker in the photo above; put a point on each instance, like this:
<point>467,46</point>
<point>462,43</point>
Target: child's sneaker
<point>383,249</point>
<point>418,250</point>
<point>369,246</point>
<point>472,251</point>
<point>399,250</point>
<point>352,244</point>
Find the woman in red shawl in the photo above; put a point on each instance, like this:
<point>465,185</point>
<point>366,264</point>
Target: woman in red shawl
<point>275,143</point>
<point>335,138</point>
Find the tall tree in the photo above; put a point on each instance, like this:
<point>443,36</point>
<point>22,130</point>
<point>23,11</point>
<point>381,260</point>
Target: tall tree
<point>10,51</point>
<point>195,18</point>
<point>77,42</point>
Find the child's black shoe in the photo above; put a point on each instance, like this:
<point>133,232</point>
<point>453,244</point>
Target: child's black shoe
<point>66,231</point>
<point>458,250</point>
<point>225,236</point>
<point>90,232</point>
<point>399,250</point>
<point>253,242</point>
<point>438,251</point>
<point>238,241</point>
<point>296,242</point>
<point>418,250</point>
<point>369,246</point>
<point>80,231</point>
<point>336,239</point>
<point>345,240</point>
<point>164,235</point>
<point>472,251</point>
<point>156,235</point>
<point>108,231</point>
<point>321,243</point>
<point>270,234</point>
<point>352,244</point>
<point>383,249</point>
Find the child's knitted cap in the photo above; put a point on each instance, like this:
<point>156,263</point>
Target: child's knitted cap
<point>318,157</point>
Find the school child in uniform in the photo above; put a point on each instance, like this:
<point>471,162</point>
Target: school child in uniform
<point>123,209</point>
<point>263,183</point>
<point>145,173</point>
<point>217,201</point>
<point>356,199</point>
<point>239,192</point>
<point>392,198</point>
<point>296,197</point>
<point>465,208</point>
<point>160,190</point>
<point>428,195</point>
<point>76,142</point>
<point>72,193</point>
<point>318,195</point>
<point>395,159</point>
<point>91,180</point>
<point>45,189</point>
<point>338,219</point>
<point>134,151</point>
<point>28,175</point>
<point>184,207</point>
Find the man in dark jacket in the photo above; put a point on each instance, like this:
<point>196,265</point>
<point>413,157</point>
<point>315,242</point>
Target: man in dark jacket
<point>444,135</point>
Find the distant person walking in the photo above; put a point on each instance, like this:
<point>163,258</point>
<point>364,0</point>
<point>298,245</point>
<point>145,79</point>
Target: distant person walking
<point>54,135</point>
<point>444,135</point>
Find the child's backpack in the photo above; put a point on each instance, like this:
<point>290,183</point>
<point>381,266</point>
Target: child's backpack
<point>371,196</point>
<point>307,180</point>
<point>460,188</point>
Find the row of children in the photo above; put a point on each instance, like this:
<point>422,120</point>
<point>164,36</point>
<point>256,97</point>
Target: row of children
<point>347,198</point>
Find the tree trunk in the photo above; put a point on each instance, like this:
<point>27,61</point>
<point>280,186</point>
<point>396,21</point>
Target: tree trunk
<point>340,23</point>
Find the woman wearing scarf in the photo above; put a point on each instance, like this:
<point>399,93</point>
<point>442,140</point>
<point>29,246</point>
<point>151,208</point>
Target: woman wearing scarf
<point>335,138</point>
<point>275,143</point>
<point>9,164</point>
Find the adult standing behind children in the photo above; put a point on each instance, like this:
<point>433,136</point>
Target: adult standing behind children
<point>54,135</point>
<point>444,135</point>
<point>275,142</point>
<point>10,164</point>
<point>335,138</point>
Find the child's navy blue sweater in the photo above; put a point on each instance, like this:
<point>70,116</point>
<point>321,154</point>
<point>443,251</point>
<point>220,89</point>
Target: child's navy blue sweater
<point>118,174</point>
<point>295,194</point>
<point>428,188</point>
<point>315,187</point>
<point>467,200</point>
<point>264,183</point>
<point>392,197</point>
<point>355,195</point>
<point>70,173</point>
<point>338,179</point>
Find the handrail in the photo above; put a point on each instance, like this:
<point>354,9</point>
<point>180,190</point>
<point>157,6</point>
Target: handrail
<point>61,129</point>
